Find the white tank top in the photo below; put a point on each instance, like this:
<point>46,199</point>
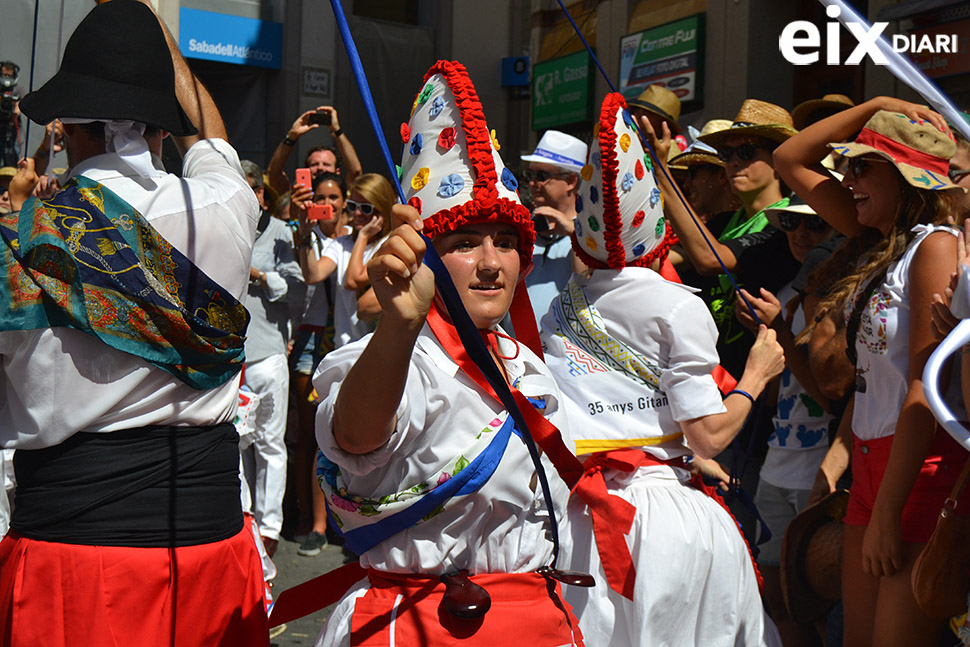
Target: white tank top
<point>882,345</point>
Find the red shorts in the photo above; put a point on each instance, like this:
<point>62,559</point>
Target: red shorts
<point>526,609</point>
<point>940,470</point>
<point>57,595</point>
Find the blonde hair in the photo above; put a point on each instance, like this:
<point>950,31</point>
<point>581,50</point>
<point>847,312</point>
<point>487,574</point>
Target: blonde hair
<point>871,254</point>
<point>375,188</point>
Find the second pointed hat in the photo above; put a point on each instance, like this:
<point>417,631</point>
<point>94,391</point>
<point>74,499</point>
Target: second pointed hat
<point>619,208</point>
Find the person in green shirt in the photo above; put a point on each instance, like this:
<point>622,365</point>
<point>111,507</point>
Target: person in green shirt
<point>755,252</point>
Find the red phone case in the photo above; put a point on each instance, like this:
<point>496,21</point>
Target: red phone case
<point>319,212</point>
<point>303,177</point>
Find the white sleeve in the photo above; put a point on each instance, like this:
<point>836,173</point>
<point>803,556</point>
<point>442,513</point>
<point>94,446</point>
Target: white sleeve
<point>328,380</point>
<point>692,356</point>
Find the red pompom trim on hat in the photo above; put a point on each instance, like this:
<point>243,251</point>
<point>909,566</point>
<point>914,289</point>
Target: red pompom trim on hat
<point>659,252</point>
<point>485,211</point>
<point>405,133</point>
<point>612,222</point>
<point>477,137</point>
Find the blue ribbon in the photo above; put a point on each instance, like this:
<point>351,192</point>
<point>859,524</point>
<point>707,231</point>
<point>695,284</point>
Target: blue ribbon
<point>467,481</point>
<point>467,332</point>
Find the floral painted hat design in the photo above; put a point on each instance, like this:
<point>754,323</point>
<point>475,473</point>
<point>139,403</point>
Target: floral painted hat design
<point>619,207</point>
<point>450,169</point>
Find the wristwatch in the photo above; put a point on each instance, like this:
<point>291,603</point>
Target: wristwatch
<point>288,141</point>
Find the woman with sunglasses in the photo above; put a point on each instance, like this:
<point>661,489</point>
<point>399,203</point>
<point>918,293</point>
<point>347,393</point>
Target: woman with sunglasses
<point>369,207</point>
<point>892,204</point>
<point>371,197</point>
<point>800,427</point>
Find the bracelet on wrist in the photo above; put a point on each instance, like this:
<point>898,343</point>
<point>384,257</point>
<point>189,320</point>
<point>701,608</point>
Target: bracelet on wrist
<point>740,392</point>
<point>289,142</point>
<point>337,133</point>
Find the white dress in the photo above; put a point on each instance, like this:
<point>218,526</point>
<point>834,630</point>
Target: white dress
<point>695,583</point>
<point>501,528</point>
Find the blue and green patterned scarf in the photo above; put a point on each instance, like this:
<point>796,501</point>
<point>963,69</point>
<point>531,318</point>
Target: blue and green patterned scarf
<point>87,260</point>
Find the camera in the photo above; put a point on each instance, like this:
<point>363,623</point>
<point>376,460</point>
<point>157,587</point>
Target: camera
<point>321,118</point>
<point>540,223</point>
<point>7,102</point>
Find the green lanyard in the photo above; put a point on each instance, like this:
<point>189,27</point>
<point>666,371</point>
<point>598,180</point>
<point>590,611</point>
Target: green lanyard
<point>737,228</point>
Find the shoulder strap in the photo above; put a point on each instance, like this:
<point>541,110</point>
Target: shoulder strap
<point>262,224</point>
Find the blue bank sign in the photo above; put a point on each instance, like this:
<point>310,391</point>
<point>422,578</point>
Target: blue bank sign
<point>230,39</point>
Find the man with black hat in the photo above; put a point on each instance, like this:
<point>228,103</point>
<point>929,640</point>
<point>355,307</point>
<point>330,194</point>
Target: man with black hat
<point>121,340</point>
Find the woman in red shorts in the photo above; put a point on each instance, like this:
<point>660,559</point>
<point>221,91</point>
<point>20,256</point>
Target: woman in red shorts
<point>891,204</point>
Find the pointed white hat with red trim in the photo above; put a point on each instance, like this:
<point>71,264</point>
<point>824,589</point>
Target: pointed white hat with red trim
<point>619,208</point>
<point>451,170</point>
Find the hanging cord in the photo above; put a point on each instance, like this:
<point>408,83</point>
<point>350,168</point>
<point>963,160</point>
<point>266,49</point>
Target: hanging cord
<point>663,168</point>
<point>30,85</point>
<point>467,332</point>
<point>60,35</point>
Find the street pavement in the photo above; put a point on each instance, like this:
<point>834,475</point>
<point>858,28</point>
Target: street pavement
<point>295,569</point>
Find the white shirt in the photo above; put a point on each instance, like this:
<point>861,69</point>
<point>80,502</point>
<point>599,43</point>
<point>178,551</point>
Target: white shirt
<point>501,527</point>
<point>347,327</point>
<point>671,329</point>
<point>58,381</point>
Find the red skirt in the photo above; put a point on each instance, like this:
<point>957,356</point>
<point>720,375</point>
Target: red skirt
<point>60,595</point>
<point>527,609</point>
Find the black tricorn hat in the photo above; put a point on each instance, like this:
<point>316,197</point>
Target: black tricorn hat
<point>116,66</point>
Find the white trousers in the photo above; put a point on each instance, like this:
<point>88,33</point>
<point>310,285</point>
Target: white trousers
<point>695,584</point>
<point>263,464</point>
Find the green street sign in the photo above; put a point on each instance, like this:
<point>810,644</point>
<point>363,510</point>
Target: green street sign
<point>562,91</point>
<point>669,55</point>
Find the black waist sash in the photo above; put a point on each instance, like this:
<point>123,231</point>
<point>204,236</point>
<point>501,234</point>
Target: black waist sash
<point>148,487</point>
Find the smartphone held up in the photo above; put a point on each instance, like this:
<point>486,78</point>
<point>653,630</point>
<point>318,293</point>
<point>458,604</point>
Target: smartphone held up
<point>321,118</point>
<point>319,212</point>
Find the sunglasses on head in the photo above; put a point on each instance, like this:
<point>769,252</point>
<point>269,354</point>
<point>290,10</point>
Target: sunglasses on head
<point>365,208</point>
<point>789,221</point>
<point>745,152</point>
<point>542,176</point>
<point>858,165</point>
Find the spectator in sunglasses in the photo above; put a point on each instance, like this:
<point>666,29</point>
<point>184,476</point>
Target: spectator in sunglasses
<point>705,185</point>
<point>756,253</point>
<point>553,178</point>
<point>893,205</point>
<point>800,427</point>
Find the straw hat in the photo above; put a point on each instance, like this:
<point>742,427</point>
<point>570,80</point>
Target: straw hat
<point>8,171</point>
<point>757,118</point>
<point>698,153</point>
<point>661,102</point>
<point>619,209</point>
<point>811,558</point>
<point>450,169</point>
<point>808,112</point>
<point>918,150</point>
